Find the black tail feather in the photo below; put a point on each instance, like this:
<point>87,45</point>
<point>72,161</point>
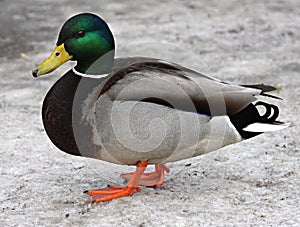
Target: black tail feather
<point>268,117</point>
<point>271,96</point>
<point>264,89</point>
<point>250,115</point>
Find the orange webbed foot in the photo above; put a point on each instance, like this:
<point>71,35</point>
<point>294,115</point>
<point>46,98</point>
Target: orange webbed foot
<point>153,179</point>
<point>113,192</point>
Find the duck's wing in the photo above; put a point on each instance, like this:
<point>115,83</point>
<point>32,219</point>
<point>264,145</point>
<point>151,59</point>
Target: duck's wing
<point>165,83</point>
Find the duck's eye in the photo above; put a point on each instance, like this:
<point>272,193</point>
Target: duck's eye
<point>80,34</point>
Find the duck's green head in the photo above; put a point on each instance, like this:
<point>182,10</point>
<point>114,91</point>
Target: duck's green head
<point>84,38</point>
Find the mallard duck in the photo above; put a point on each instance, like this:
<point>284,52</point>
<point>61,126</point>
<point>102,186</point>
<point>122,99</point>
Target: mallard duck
<point>141,111</point>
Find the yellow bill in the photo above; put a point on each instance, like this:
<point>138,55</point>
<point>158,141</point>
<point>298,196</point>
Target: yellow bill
<point>58,57</point>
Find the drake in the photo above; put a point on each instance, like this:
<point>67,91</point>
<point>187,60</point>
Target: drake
<point>140,111</point>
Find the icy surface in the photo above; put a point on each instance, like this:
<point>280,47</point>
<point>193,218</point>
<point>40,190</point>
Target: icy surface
<point>255,182</point>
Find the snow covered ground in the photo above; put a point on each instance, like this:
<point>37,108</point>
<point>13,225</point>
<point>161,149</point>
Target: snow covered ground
<point>255,182</point>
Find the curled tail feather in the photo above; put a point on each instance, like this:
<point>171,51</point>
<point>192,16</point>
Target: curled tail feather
<point>250,123</point>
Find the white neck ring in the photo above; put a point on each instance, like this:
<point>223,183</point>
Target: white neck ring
<point>89,75</point>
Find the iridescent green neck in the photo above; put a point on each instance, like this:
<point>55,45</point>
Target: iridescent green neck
<point>102,65</point>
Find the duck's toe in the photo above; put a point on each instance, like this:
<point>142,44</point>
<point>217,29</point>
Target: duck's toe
<point>111,192</point>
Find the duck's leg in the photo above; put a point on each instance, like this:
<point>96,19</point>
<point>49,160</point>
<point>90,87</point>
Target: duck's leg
<point>113,192</point>
<point>153,179</point>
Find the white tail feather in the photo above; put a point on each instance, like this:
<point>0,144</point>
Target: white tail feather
<point>266,127</point>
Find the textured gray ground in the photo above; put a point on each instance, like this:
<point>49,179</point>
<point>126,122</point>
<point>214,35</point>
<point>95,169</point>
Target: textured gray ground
<point>255,182</point>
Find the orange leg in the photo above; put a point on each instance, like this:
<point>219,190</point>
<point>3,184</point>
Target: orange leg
<point>113,192</point>
<point>153,179</point>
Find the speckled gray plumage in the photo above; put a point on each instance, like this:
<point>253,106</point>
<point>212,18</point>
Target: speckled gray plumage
<point>130,131</point>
